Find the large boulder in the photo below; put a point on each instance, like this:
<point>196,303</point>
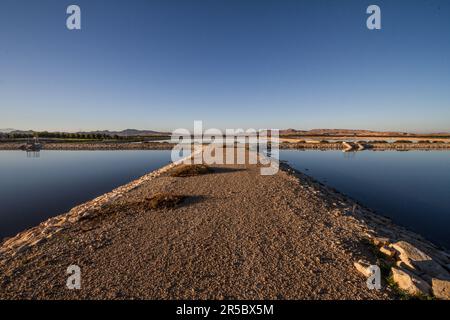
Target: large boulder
<point>388,251</point>
<point>418,260</point>
<point>409,282</point>
<point>380,241</point>
<point>441,288</point>
<point>363,267</point>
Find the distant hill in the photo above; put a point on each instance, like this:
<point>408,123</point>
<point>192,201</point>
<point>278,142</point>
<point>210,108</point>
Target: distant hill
<point>14,131</point>
<point>123,133</point>
<point>128,133</point>
<point>285,132</point>
<point>351,132</point>
<point>7,130</point>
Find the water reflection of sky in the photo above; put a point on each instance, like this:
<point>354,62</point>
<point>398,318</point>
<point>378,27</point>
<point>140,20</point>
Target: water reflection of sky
<point>36,186</point>
<point>411,187</point>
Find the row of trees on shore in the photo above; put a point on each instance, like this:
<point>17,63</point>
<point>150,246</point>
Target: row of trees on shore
<point>62,135</point>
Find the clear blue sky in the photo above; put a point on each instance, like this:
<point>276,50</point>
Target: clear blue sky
<point>262,64</point>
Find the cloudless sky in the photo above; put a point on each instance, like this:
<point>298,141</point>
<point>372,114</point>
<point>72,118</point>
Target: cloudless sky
<point>262,64</point>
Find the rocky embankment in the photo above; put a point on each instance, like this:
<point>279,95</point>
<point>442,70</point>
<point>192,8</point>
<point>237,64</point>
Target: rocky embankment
<point>400,146</point>
<point>237,235</point>
<point>367,146</point>
<point>409,146</point>
<point>94,146</point>
<point>411,265</point>
<point>311,146</point>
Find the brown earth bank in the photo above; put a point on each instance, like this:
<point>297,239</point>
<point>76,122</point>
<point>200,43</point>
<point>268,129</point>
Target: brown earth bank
<point>292,144</point>
<point>93,146</point>
<point>367,146</point>
<point>231,234</point>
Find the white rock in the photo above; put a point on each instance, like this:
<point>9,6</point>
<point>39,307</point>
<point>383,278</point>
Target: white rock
<point>441,288</point>
<point>388,251</point>
<point>409,282</point>
<point>363,267</point>
<point>415,259</point>
<point>380,241</point>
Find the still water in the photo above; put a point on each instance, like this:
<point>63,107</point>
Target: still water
<point>33,189</point>
<point>412,188</point>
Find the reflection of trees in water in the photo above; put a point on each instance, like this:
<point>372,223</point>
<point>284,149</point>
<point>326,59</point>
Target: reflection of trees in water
<point>349,155</point>
<point>33,154</point>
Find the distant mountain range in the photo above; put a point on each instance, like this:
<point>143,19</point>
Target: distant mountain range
<point>123,133</point>
<point>352,132</point>
<point>339,132</point>
<point>293,132</point>
<point>7,130</point>
<point>129,133</point>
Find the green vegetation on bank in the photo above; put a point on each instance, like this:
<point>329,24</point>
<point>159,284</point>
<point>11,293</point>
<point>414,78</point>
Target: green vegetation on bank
<point>73,137</point>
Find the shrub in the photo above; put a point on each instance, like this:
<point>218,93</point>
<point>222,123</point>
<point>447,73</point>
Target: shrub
<point>190,170</point>
<point>164,200</point>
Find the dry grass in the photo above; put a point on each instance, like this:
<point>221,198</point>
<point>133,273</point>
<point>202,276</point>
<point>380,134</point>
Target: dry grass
<point>164,200</point>
<point>190,170</point>
<point>157,201</point>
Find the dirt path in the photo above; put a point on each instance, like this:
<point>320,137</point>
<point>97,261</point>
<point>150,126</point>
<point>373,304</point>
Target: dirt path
<point>239,235</point>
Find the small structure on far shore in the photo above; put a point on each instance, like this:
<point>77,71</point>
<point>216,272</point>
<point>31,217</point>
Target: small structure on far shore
<point>352,146</point>
<point>32,145</point>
